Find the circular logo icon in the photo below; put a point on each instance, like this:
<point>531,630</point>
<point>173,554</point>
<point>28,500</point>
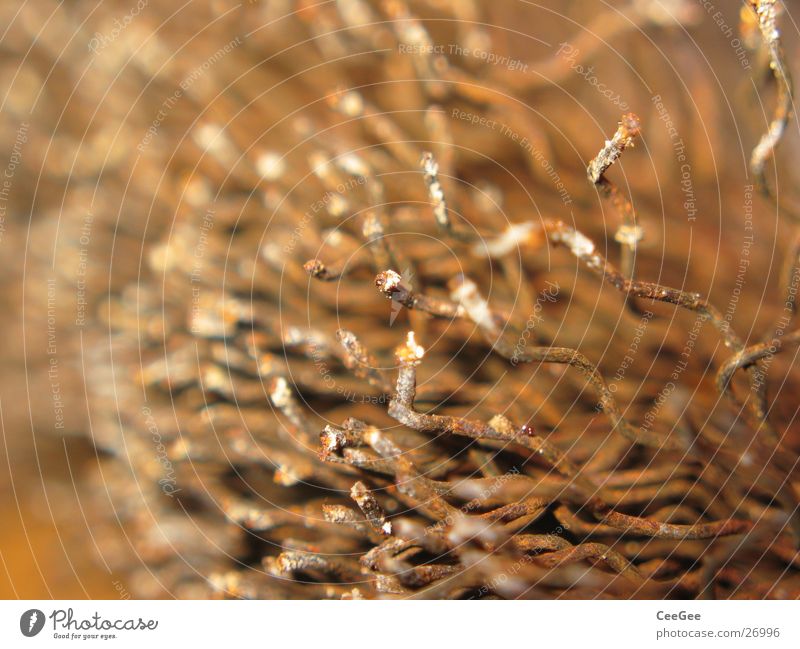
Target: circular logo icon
<point>31,622</point>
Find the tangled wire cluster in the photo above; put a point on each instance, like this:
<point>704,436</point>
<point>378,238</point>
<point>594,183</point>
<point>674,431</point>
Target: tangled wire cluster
<point>386,338</point>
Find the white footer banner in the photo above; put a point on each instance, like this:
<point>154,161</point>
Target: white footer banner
<point>389,624</point>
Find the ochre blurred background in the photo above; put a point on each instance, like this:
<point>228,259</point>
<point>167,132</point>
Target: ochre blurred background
<point>90,192</point>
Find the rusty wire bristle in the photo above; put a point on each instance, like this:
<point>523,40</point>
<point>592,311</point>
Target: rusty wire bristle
<point>533,403</point>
